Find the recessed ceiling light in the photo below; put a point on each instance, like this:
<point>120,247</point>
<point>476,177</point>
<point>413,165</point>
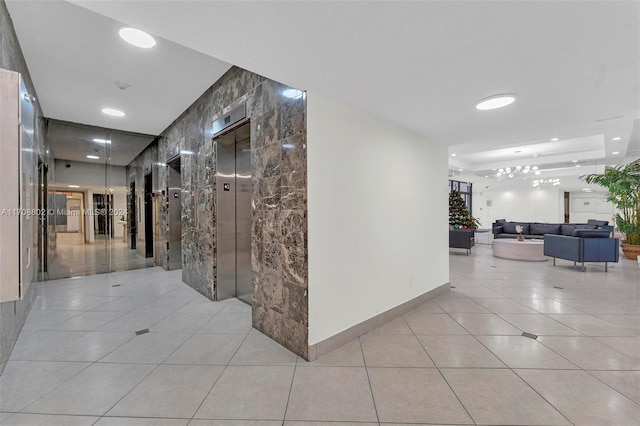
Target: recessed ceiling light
<point>101,140</point>
<point>586,189</point>
<point>292,93</point>
<point>73,186</point>
<point>577,165</point>
<point>615,153</point>
<point>613,165</point>
<point>113,112</point>
<point>495,102</point>
<point>555,139</point>
<point>93,157</point>
<point>459,170</point>
<point>137,38</point>
<point>453,155</point>
<point>574,161</point>
<point>617,138</point>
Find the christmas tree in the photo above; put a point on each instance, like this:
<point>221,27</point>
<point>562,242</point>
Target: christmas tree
<point>459,215</point>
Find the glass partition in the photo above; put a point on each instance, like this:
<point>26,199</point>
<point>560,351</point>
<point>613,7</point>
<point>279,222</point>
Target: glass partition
<point>88,213</point>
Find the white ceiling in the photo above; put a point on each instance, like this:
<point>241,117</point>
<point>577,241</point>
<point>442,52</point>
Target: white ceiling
<point>75,56</point>
<point>574,66</point>
<point>70,141</point>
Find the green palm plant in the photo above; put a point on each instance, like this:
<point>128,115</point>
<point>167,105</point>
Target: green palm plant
<point>623,183</point>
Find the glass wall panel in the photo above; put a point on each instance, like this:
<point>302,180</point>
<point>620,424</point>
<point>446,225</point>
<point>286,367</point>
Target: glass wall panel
<point>88,212</point>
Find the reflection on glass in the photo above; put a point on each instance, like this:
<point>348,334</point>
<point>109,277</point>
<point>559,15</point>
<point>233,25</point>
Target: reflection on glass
<point>87,216</point>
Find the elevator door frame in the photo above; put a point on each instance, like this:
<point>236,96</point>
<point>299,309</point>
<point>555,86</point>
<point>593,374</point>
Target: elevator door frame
<point>233,213</point>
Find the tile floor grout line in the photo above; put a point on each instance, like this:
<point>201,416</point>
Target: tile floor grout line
<point>611,387</point>
<point>293,377</point>
<point>89,364</point>
<point>445,380</point>
<point>541,396</point>
<point>366,369</point>
<point>219,376</point>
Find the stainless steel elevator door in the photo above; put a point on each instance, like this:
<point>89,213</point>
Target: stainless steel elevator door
<point>233,207</point>
<point>175,215</point>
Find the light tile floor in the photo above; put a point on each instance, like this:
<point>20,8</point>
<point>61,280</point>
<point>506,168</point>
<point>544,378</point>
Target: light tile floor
<point>459,359</point>
<point>73,257</point>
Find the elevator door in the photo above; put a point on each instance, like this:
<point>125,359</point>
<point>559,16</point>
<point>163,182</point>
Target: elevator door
<point>175,215</point>
<point>233,208</point>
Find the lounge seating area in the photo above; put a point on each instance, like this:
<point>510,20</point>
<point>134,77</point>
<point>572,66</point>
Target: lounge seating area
<point>577,242</point>
<point>531,230</point>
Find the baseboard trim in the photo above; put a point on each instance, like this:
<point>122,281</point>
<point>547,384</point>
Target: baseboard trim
<point>334,342</point>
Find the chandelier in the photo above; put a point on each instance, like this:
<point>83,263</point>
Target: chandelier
<point>538,182</point>
<point>510,172</point>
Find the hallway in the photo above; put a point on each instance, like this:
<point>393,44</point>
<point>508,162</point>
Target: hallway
<point>459,359</point>
<point>74,258</point>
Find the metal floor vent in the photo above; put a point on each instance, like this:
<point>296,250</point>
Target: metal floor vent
<point>530,336</point>
<point>139,332</point>
<point>559,288</point>
<point>453,286</point>
<point>116,285</point>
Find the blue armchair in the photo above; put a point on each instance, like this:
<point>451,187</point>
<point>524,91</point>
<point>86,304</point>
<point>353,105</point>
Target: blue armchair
<point>584,246</point>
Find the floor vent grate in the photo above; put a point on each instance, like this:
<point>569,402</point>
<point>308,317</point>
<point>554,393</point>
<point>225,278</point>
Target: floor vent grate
<point>139,332</point>
<point>530,336</point>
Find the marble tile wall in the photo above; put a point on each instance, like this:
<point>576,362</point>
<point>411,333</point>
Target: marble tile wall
<point>13,314</point>
<point>279,199</point>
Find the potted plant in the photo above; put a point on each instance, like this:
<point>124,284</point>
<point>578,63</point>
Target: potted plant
<point>623,183</point>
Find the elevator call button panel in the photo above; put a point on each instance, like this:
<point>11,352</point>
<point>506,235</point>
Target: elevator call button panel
<point>226,186</point>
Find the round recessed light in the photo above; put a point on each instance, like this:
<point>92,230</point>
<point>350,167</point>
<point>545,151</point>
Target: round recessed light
<point>101,141</point>
<point>495,102</point>
<point>93,157</point>
<point>617,138</point>
<point>137,38</point>
<point>453,155</point>
<point>615,153</point>
<point>574,161</point>
<point>459,170</point>
<point>113,112</point>
<point>555,139</point>
<point>292,93</point>
<point>577,165</point>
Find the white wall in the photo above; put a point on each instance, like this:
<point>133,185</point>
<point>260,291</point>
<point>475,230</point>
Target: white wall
<point>526,205</point>
<point>590,205</point>
<point>378,216</point>
<point>89,174</point>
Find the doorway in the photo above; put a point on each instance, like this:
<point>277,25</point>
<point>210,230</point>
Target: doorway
<point>567,207</point>
<point>103,216</point>
<point>233,208</point>
<point>43,234</point>
<point>175,214</point>
<point>132,219</point>
<point>148,215</point>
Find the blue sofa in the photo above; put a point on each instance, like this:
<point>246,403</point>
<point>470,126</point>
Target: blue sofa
<point>504,229</point>
<point>586,245</point>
